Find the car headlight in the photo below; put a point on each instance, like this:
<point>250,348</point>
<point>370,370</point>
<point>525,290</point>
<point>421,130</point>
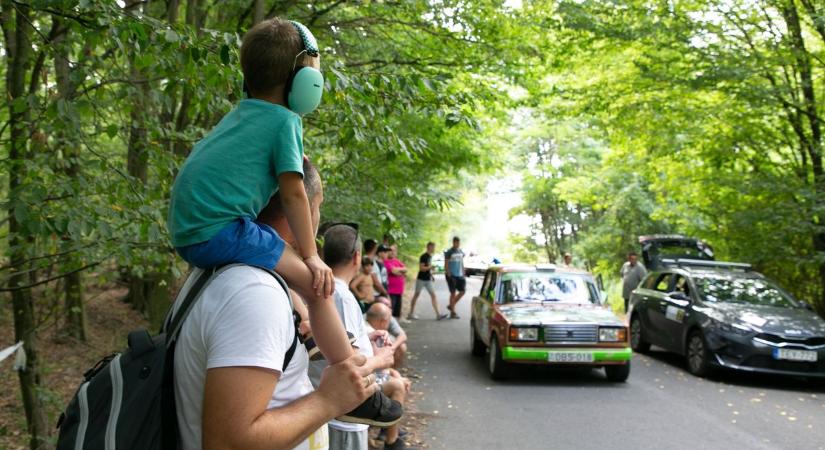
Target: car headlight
<point>524,334</point>
<point>612,334</point>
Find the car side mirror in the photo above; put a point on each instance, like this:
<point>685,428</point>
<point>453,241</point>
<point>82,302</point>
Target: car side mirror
<point>678,295</point>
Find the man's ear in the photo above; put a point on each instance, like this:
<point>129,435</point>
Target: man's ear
<point>356,258</point>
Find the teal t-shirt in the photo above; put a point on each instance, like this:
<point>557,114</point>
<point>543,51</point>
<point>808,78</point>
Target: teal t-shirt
<point>233,171</point>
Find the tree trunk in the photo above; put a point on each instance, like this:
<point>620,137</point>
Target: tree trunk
<point>17,34</point>
<point>74,306</point>
<point>258,12</point>
<point>803,65</point>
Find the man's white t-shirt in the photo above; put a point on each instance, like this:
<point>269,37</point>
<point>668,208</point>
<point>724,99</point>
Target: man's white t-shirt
<point>353,319</point>
<point>243,318</point>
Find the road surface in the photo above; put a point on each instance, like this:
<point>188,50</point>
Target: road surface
<point>660,406</point>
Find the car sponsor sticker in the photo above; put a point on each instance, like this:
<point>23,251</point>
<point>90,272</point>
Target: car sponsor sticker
<point>675,314</point>
<point>570,357</point>
<point>794,355</point>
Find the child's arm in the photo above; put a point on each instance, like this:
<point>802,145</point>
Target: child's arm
<point>296,207</point>
<point>327,326</point>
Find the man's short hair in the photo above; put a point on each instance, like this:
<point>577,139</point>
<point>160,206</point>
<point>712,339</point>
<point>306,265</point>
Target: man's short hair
<point>456,239</point>
<point>341,242</point>
<point>431,243</point>
<point>632,254</point>
<point>268,55</point>
<point>383,248</point>
<point>312,184</point>
<point>369,244</point>
<point>366,261</point>
<point>378,311</point>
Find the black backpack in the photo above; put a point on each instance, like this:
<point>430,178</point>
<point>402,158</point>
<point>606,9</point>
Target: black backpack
<point>127,400</point>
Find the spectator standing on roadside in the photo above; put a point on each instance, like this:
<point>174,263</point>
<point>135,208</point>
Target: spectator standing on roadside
<point>230,385</point>
<point>396,276</point>
<point>454,273</point>
<point>568,261</point>
<point>382,254</point>
<point>632,274</point>
<point>425,280</point>
<point>371,251</point>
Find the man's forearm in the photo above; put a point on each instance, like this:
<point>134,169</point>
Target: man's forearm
<point>287,426</point>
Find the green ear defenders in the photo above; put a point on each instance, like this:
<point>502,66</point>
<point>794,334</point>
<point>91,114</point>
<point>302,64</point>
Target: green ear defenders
<point>306,84</point>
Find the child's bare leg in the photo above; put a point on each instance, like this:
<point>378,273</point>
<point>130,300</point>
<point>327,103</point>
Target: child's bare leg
<point>327,328</point>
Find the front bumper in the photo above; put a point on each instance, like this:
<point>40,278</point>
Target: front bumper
<point>539,355</point>
<point>749,355</point>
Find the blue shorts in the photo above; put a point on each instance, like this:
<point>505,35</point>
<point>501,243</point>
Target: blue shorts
<point>242,241</point>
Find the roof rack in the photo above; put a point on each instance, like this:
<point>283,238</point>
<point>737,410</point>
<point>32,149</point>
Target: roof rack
<point>687,262</point>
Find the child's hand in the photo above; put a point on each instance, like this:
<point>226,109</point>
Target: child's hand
<point>322,280</point>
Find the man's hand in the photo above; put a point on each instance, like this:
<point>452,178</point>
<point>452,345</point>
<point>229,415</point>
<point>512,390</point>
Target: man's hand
<point>384,356</point>
<point>379,333</point>
<point>347,384</point>
<point>322,280</point>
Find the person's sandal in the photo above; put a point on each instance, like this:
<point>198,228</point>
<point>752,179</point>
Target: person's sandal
<point>377,411</point>
<point>314,352</point>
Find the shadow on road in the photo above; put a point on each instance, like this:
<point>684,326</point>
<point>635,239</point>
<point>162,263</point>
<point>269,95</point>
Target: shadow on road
<point>741,378</point>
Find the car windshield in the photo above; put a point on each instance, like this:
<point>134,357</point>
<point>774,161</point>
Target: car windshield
<point>537,287</point>
<point>754,291</point>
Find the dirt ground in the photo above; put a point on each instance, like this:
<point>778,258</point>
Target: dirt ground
<point>109,321</point>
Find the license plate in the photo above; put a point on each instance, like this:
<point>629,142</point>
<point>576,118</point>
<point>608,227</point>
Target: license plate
<point>570,357</point>
<point>794,355</point>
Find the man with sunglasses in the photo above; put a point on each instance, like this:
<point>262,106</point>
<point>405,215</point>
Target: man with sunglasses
<point>342,253</point>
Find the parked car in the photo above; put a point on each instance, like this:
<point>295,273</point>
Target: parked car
<point>725,315</point>
<point>476,264</point>
<point>438,263</point>
<point>546,315</point>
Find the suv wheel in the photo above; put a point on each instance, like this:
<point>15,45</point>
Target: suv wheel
<point>476,344</point>
<point>498,368</point>
<point>636,342</point>
<point>697,355</point>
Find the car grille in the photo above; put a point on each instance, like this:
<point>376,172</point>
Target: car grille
<point>775,339</point>
<point>766,362</point>
<point>571,334</point>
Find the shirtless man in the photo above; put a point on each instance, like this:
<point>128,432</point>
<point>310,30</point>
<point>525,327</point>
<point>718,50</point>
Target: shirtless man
<point>362,284</point>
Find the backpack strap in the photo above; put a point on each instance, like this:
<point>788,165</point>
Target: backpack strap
<point>296,319</point>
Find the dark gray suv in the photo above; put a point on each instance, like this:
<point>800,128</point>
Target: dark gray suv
<point>720,314</point>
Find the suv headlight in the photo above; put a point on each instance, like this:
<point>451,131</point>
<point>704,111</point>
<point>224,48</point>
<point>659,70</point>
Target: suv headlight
<point>612,334</point>
<point>524,334</point>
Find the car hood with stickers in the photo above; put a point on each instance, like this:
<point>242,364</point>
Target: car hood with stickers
<point>553,313</point>
<point>790,322</point>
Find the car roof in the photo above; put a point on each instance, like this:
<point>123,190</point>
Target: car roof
<point>523,267</point>
<point>716,272</point>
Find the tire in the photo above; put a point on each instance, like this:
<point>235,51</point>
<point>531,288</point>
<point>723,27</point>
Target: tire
<point>636,342</point>
<point>697,356</point>
<point>617,374</point>
<point>499,369</point>
<point>476,344</point>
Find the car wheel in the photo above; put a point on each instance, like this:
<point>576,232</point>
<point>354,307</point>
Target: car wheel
<point>477,345</point>
<point>636,342</point>
<point>697,355</point>
<point>617,374</point>
<point>498,368</point>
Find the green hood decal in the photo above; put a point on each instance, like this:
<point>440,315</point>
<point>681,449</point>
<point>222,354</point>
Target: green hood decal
<point>549,313</point>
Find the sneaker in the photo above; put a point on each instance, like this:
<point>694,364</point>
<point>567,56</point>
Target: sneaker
<point>399,444</point>
<point>412,317</point>
<point>315,353</point>
<point>454,316</point>
<point>377,411</point>
<point>442,316</point>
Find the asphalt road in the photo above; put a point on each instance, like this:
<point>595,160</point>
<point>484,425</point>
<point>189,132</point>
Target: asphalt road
<point>660,406</point>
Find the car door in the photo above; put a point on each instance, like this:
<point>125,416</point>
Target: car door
<point>677,304</point>
<point>656,306</point>
<point>487,306</point>
<point>481,304</point>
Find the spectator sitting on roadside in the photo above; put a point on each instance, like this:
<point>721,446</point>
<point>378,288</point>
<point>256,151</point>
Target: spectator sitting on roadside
<point>362,286</point>
<point>397,334</point>
<point>396,387</point>
<point>342,252</point>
